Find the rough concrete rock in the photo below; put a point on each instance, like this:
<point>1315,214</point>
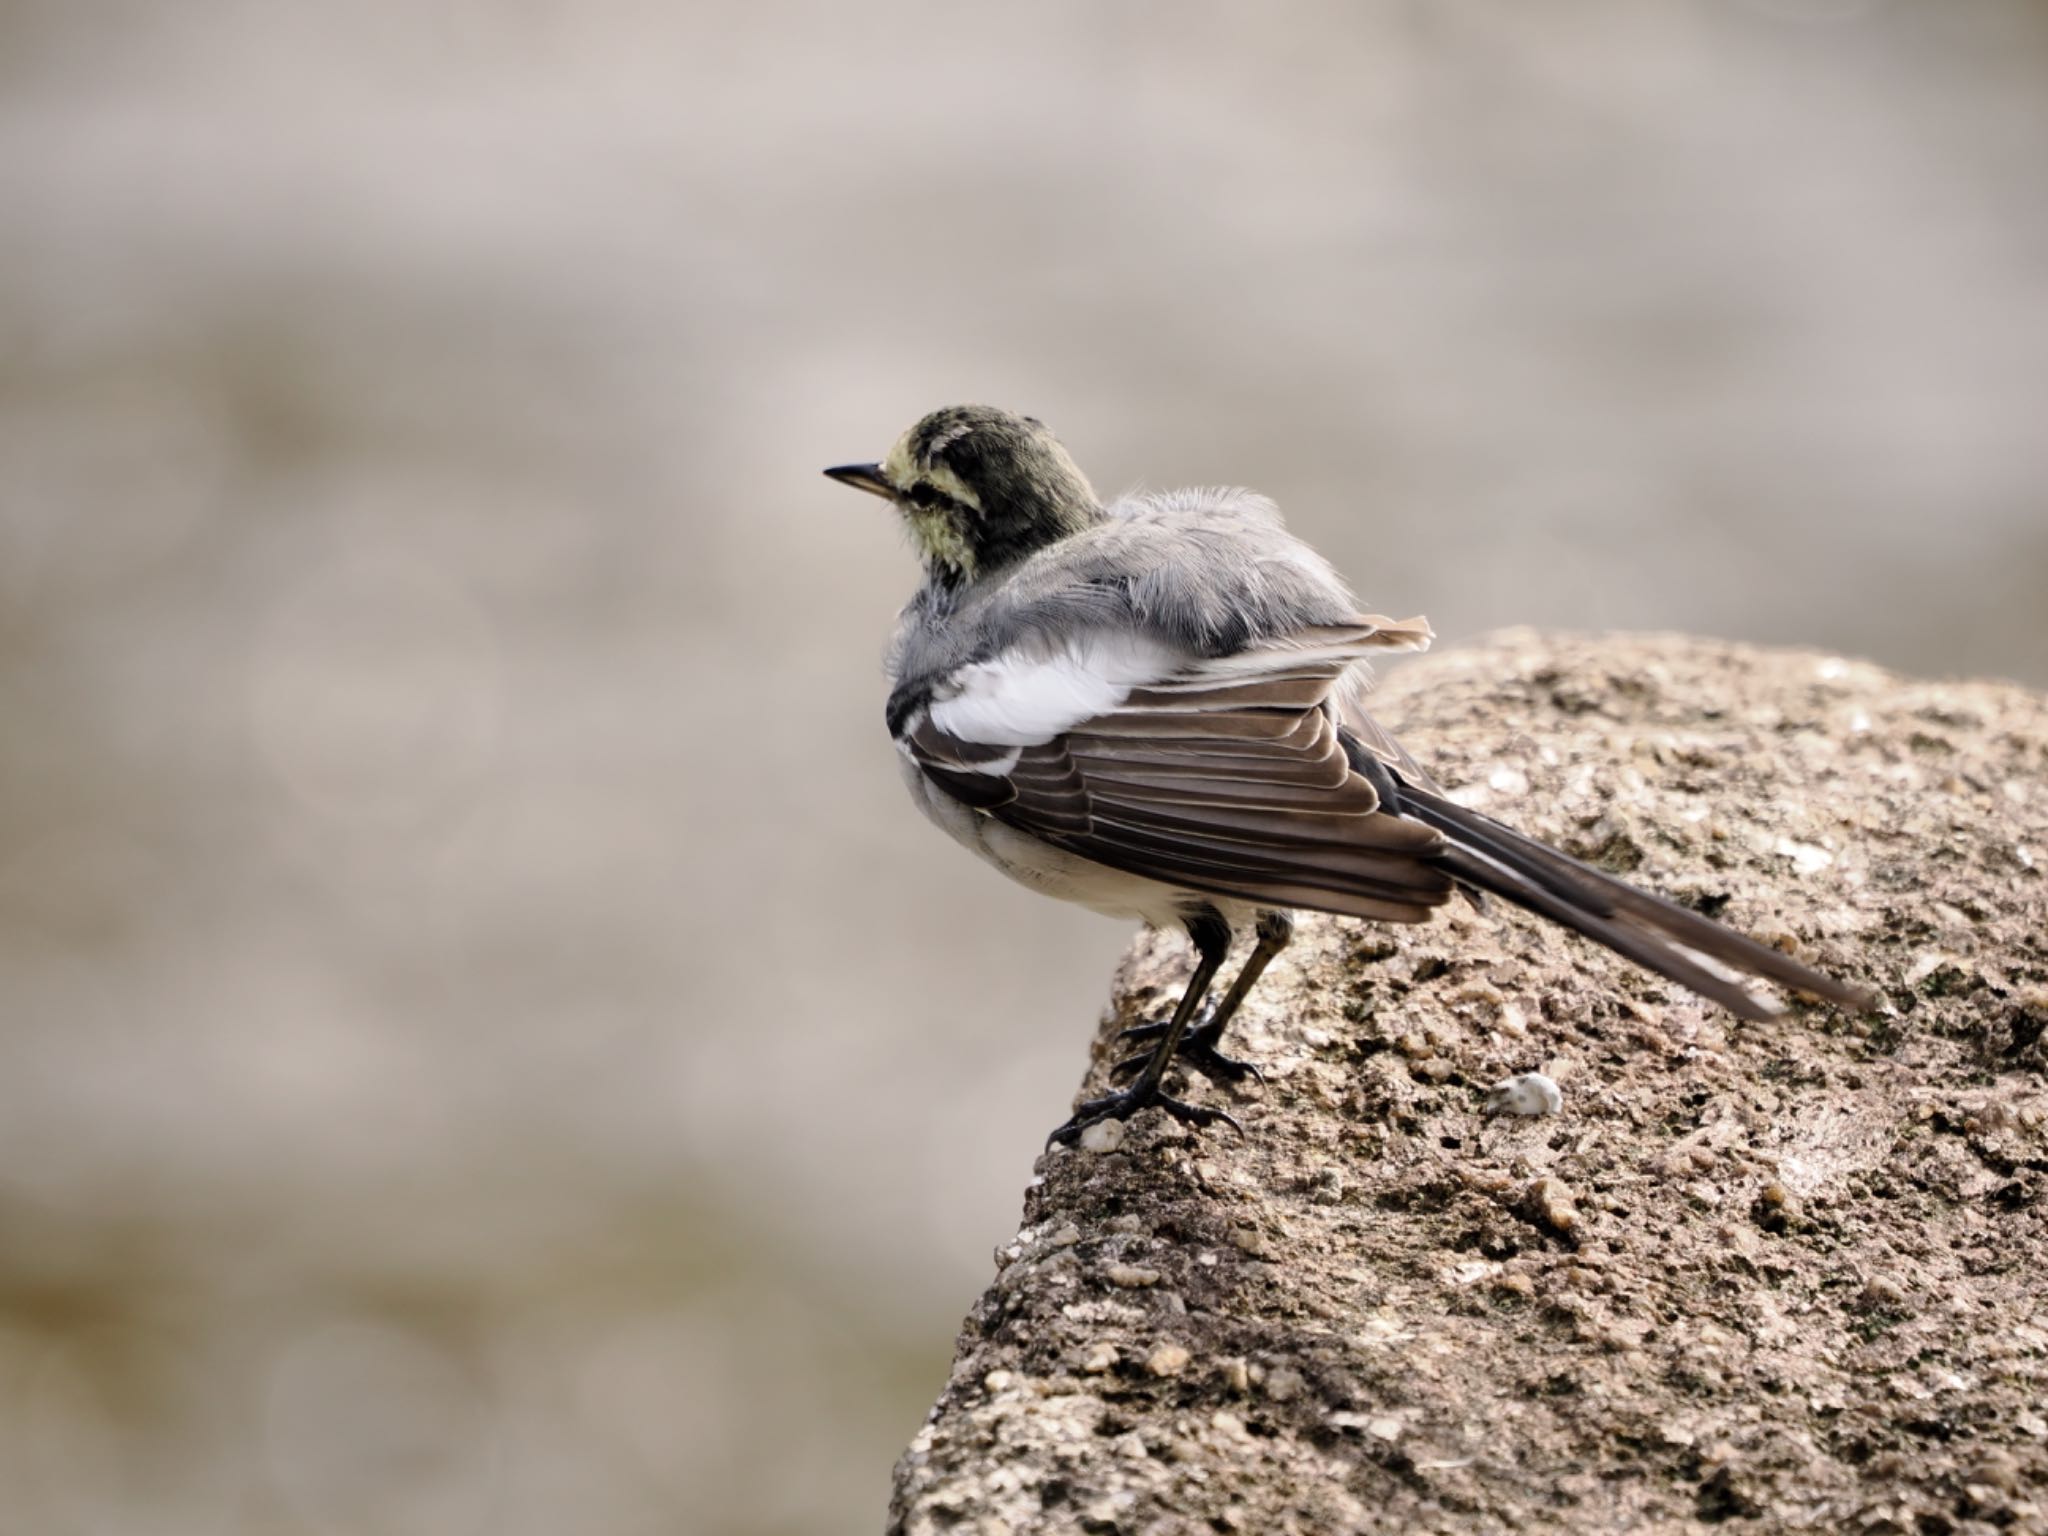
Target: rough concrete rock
<point>1800,1283</point>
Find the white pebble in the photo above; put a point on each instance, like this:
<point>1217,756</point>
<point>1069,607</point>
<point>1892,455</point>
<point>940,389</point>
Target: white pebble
<point>1103,1136</point>
<point>1509,781</point>
<point>1805,857</point>
<point>1526,1093</point>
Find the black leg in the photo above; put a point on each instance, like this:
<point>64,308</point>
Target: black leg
<point>1199,1048</point>
<point>1212,943</point>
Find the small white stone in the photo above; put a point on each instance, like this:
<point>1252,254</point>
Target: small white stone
<point>1526,1093</point>
<point>1103,1136</point>
<point>1805,857</point>
<point>1925,966</point>
<point>1508,781</point>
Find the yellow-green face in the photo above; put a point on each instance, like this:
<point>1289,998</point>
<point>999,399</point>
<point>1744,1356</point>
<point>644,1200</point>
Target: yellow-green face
<point>938,507</point>
<point>978,488</point>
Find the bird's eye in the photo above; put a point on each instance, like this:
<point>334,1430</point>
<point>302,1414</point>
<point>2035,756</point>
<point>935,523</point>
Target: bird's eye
<point>923,494</point>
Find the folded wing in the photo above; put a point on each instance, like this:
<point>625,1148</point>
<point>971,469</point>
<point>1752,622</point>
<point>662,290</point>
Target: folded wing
<point>1224,775</point>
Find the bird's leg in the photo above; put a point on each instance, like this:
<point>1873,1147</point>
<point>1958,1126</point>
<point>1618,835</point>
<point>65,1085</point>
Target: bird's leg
<point>1211,935</point>
<point>1198,1047</point>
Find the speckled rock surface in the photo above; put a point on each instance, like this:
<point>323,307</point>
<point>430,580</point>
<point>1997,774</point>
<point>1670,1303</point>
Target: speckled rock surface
<point>1790,1276</point>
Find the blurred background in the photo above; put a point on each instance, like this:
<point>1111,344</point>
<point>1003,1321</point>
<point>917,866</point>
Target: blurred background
<point>484,1043</point>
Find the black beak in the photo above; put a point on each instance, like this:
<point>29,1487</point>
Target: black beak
<point>863,477</point>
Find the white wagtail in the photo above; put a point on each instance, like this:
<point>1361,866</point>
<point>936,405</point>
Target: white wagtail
<point>1153,708</point>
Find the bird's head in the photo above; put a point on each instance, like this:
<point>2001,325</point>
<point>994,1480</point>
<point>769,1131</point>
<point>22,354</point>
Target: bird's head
<point>979,489</point>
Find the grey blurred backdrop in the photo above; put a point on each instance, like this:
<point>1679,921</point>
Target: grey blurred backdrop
<point>484,1046</point>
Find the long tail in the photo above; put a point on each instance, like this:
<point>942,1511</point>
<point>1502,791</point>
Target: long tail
<point>1678,944</point>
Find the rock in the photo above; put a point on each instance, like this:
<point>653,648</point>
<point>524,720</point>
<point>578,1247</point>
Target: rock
<point>1773,1274</point>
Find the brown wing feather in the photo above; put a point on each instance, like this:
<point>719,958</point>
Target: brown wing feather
<point>1233,780</point>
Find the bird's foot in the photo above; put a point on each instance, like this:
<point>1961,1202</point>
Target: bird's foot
<point>1197,1049</point>
<point>1126,1102</point>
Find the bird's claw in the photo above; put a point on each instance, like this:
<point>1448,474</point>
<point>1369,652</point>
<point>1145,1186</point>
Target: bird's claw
<point>1197,1050</point>
<point>1126,1102</point>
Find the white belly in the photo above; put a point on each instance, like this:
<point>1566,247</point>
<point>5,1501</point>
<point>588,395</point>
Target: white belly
<point>1054,871</point>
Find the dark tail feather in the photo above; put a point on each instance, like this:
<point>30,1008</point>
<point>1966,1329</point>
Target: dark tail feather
<point>1657,934</point>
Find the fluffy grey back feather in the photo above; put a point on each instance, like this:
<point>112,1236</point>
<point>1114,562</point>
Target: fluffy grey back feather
<point>1210,571</point>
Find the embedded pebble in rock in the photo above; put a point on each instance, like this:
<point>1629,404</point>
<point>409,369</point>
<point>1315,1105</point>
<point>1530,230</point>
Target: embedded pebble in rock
<point>1103,1136</point>
<point>1777,1209</point>
<point>1102,1356</point>
<point>1550,1201</point>
<point>1508,781</point>
<point>1252,1242</point>
<point>1167,1360</point>
<point>1131,1276</point>
<point>1283,1383</point>
<point>1526,1093</point>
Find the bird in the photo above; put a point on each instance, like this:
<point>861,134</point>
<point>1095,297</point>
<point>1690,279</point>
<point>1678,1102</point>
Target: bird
<point>1154,707</point>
